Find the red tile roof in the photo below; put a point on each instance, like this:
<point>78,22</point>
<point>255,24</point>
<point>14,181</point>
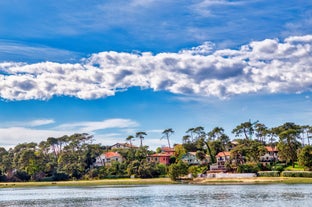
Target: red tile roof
<point>270,149</point>
<point>167,149</point>
<point>111,154</point>
<point>160,155</point>
<point>222,154</point>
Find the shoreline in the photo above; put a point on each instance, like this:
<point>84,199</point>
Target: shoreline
<point>254,180</point>
<point>162,181</point>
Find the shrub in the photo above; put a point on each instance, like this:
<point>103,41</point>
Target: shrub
<point>60,177</point>
<point>279,168</point>
<point>177,170</point>
<point>306,174</point>
<point>248,168</point>
<point>268,173</point>
<point>22,176</point>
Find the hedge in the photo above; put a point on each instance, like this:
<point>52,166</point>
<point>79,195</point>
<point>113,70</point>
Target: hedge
<point>306,174</point>
<point>268,174</point>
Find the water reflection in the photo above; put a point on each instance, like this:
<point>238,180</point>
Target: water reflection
<point>160,195</point>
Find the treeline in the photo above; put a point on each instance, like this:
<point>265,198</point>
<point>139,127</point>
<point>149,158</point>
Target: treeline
<point>72,157</point>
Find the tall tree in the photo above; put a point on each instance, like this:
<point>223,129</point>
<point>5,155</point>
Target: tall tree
<point>261,132</point>
<point>245,129</point>
<point>166,134</point>
<point>305,157</point>
<point>129,139</point>
<point>288,144</point>
<point>140,135</point>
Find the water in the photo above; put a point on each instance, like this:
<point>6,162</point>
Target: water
<point>160,195</point>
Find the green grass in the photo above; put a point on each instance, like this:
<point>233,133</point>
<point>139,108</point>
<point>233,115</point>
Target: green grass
<point>296,168</point>
<point>123,181</point>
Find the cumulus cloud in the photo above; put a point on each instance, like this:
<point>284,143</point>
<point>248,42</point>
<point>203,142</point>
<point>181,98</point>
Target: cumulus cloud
<point>268,66</point>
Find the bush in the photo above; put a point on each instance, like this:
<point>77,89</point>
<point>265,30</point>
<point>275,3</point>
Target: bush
<point>47,179</point>
<point>22,176</point>
<point>60,177</point>
<point>305,174</point>
<point>177,170</point>
<point>268,173</point>
<point>279,168</point>
<point>116,176</point>
<point>248,168</point>
<point>3,178</point>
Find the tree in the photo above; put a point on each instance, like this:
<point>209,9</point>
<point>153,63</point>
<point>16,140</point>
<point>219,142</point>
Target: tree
<point>167,133</point>
<point>177,170</point>
<point>140,135</point>
<point>130,138</point>
<point>307,133</point>
<point>261,132</point>
<point>305,157</point>
<point>288,144</point>
<point>245,129</point>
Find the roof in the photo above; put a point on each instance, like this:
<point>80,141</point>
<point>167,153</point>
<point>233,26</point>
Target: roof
<point>160,155</point>
<point>222,154</point>
<point>271,149</point>
<point>111,154</point>
<point>167,149</point>
<point>124,145</point>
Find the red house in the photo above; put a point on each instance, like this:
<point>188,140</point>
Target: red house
<point>162,158</point>
<point>168,150</point>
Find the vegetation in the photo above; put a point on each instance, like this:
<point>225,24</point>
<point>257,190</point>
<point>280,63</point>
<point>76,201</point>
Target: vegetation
<point>72,157</point>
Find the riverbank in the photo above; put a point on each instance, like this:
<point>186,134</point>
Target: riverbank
<point>254,180</point>
<point>163,181</point>
<point>123,181</point>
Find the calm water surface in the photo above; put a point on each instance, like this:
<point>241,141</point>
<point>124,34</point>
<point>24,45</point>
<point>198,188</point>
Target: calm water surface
<point>160,195</point>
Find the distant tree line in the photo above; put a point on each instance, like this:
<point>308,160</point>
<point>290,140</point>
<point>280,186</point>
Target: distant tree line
<point>72,157</point>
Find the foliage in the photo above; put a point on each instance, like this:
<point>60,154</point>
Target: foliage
<point>244,129</point>
<point>305,157</point>
<point>72,157</point>
<point>306,174</point>
<point>279,168</point>
<point>21,176</point>
<point>268,173</point>
<point>148,170</point>
<point>177,170</point>
<point>196,170</point>
<point>288,145</point>
<point>166,134</point>
<point>248,168</point>
<point>179,151</point>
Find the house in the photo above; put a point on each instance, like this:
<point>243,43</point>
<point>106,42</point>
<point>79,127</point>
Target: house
<point>159,158</point>
<point>191,159</point>
<point>222,158</point>
<point>123,146</point>
<point>270,156</point>
<point>167,150</point>
<point>107,158</point>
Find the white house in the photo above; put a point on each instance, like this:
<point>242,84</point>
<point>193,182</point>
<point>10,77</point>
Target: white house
<point>107,158</point>
<point>191,159</point>
<point>270,156</point>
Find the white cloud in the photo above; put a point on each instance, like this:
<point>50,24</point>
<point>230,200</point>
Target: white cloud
<point>268,66</point>
<point>29,123</point>
<point>14,133</point>
<point>10,137</point>
<point>99,125</point>
<point>36,52</point>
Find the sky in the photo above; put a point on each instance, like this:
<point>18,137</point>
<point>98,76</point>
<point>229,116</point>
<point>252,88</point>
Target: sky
<point>112,68</point>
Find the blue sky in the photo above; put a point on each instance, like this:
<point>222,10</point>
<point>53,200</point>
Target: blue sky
<point>112,68</point>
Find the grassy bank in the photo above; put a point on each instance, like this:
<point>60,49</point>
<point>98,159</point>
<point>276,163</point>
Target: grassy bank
<point>256,180</point>
<point>126,181</point>
<point>164,181</point>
